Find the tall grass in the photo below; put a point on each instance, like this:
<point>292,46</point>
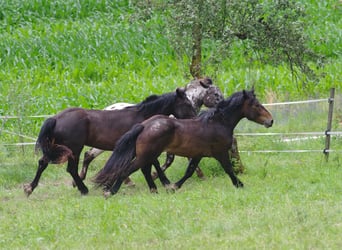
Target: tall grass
<point>92,53</point>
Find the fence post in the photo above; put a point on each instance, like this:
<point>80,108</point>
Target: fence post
<point>330,115</point>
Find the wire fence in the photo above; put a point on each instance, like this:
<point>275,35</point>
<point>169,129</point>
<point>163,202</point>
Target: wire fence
<point>325,131</point>
<point>316,121</point>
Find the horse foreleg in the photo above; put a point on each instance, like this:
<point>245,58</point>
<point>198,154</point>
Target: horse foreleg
<point>72,170</point>
<point>228,168</point>
<point>42,164</point>
<point>169,159</point>
<point>188,173</point>
<point>129,182</point>
<point>199,172</point>
<point>89,156</point>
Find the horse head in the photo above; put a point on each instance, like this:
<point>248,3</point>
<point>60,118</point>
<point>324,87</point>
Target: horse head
<point>212,97</point>
<point>202,91</point>
<point>183,107</point>
<point>255,111</point>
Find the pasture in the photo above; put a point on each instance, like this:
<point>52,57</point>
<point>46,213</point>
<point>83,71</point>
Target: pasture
<point>290,200</point>
<point>287,202</point>
<point>57,54</point>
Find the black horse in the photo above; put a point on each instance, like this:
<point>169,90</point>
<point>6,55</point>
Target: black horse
<point>63,136</point>
<point>209,135</point>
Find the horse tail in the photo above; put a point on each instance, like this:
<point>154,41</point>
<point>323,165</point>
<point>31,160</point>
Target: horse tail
<point>46,142</point>
<point>45,135</point>
<point>121,158</point>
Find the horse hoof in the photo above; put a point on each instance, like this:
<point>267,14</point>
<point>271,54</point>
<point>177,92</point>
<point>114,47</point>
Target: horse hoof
<point>28,189</point>
<point>84,192</point>
<point>154,191</point>
<point>107,194</point>
<point>171,188</point>
<point>239,184</point>
<point>154,176</point>
<point>170,191</point>
<point>130,184</point>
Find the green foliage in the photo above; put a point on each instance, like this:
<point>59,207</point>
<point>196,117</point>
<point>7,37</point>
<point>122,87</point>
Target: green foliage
<point>17,13</point>
<point>324,30</point>
<point>267,32</point>
<point>92,53</point>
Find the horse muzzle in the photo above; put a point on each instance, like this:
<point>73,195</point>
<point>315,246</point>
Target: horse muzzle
<point>268,123</point>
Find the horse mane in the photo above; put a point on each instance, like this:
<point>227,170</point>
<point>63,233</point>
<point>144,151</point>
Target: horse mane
<point>149,99</point>
<point>225,107</point>
<point>155,103</point>
<point>207,115</point>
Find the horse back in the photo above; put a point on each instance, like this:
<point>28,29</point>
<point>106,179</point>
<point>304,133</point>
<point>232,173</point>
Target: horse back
<point>185,137</point>
<point>158,132</point>
<point>76,127</point>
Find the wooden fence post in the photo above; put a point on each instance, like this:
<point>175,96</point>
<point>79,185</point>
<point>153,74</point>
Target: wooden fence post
<point>330,115</point>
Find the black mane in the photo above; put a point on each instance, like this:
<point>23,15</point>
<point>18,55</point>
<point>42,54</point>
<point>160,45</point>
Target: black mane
<point>225,107</point>
<point>155,103</point>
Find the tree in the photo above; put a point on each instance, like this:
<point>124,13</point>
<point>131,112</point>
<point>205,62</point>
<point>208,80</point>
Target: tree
<point>272,31</point>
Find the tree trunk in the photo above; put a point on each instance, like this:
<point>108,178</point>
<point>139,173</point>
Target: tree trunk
<point>195,67</point>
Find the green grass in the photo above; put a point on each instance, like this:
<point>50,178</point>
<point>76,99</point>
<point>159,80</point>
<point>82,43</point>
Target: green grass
<point>286,203</point>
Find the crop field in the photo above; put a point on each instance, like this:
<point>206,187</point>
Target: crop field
<point>90,54</point>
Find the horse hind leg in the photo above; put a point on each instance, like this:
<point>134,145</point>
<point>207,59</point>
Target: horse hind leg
<point>72,170</point>
<point>42,164</point>
<point>108,191</point>
<point>146,170</point>
<point>113,186</point>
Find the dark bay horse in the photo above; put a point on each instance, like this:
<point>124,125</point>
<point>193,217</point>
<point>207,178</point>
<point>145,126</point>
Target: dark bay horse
<point>209,135</point>
<point>63,136</point>
<point>199,91</point>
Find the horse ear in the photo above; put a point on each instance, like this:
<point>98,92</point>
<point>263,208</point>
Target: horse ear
<point>206,82</point>
<point>245,94</point>
<point>252,90</point>
<point>180,92</point>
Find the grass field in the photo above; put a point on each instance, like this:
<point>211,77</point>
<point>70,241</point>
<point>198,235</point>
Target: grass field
<point>57,54</point>
<point>290,201</point>
<point>287,203</point>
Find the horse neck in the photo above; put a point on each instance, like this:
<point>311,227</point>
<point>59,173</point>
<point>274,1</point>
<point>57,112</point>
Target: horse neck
<point>159,110</point>
<point>232,119</point>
